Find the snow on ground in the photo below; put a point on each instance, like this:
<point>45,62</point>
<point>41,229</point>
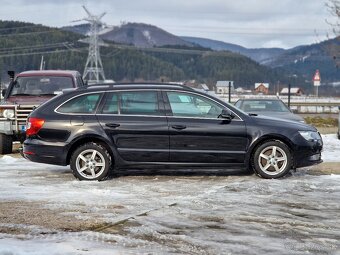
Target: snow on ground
<point>331,150</point>
<point>168,212</point>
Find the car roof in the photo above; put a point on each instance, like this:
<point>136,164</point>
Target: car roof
<point>49,73</point>
<point>119,86</point>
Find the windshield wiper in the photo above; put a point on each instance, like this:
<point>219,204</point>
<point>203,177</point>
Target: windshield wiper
<point>47,94</point>
<point>21,94</point>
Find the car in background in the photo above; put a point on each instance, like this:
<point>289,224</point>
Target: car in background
<point>106,127</point>
<point>26,91</point>
<point>268,107</point>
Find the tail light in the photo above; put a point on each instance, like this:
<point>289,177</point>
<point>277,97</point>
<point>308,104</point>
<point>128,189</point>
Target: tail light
<point>33,126</point>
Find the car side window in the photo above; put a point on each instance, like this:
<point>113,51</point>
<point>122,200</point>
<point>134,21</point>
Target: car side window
<point>139,103</point>
<point>86,104</point>
<point>110,104</point>
<point>191,105</point>
<point>131,103</point>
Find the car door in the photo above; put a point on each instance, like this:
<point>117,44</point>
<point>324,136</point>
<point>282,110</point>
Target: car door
<point>136,123</point>
<point>198,135</point>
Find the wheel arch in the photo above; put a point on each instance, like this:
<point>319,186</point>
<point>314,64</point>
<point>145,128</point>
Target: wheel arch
<point>266,138</point>
<point>87,139</point>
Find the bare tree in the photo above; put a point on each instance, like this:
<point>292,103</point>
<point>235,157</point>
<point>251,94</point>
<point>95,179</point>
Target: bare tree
<point>334,48</point>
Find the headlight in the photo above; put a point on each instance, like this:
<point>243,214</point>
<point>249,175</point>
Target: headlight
<point>8,113</point>
<point>310,135</point>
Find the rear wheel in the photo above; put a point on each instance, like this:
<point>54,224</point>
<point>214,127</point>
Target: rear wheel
<point>90,161</point>
<point>272,159</point>
<point>6,144</point>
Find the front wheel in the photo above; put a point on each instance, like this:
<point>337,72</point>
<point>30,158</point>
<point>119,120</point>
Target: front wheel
<point>272,160</point>
<point>90,162</point>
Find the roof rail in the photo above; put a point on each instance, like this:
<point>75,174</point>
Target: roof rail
<point>142,84</point>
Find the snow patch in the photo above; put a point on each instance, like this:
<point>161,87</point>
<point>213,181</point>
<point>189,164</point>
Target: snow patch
<point>331,148</point>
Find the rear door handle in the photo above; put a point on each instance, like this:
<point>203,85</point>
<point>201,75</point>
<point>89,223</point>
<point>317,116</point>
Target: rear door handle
<point>178,127</point>
<point>112,125</point>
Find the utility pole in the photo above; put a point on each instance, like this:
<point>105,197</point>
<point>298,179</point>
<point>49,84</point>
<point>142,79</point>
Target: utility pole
<point>289,87</point>
<point>94,71</point>
<point>229,90</point>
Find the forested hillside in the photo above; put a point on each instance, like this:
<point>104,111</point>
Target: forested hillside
<point>23,44</point>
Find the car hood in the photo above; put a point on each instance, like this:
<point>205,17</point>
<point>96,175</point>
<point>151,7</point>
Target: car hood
<point>281,122</point>
<point>28,100</point>
<point>281,115</point>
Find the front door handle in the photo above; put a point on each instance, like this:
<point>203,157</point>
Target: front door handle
<point>112,125</point>
<point>178,127</point>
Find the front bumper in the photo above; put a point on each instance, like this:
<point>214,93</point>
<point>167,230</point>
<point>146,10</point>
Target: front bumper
<point>308,153</point>
<point>6,127</point>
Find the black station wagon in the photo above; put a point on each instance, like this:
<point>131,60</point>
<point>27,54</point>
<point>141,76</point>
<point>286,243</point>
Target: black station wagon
<point>106,127</point>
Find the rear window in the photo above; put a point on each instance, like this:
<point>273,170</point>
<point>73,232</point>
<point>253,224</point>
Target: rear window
<point>38,85</point>
<point>86,104</point>
<point>263,106</point>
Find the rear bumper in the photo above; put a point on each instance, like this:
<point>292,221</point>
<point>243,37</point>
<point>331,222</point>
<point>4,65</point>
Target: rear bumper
<point>44,152</point>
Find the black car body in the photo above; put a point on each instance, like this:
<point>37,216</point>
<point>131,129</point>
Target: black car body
<point>123,125</point>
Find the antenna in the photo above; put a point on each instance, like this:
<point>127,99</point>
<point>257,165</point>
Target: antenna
<point>94,71</point>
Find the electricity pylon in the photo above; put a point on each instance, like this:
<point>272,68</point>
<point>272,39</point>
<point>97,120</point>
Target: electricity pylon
<point>94,72</point>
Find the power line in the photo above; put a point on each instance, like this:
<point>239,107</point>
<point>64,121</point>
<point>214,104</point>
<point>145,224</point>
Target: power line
<point>41,52</point>
<point>33,47</point>
<point>29,33</point>
<point>13,28</point>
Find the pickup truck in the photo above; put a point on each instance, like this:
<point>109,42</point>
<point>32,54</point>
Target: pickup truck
<point>25,92</point>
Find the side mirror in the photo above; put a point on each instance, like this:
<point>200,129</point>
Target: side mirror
<point>227,115</point>
<point>3,92</point>
<point>11,74</point>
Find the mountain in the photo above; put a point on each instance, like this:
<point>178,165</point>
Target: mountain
<point>260,55</point>
<point>82,29</point>
<point>304,60</point>
<point>62,50</point>
<point>136,34</point>
<point>143,35</point>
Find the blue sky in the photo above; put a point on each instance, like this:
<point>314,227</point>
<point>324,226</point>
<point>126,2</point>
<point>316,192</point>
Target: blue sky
<point>250,23</point>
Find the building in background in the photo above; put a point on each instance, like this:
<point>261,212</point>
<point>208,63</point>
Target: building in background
<point>293,92</point>
<point>262,88</point>
<point>222,87</point>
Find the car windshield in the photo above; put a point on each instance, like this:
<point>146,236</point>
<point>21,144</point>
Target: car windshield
<point>40,85</point>
<point>263,106</point>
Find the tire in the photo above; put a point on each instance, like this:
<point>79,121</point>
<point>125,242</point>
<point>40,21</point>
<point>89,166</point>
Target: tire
<point>272,160</point>
<point>90,162</point>
<point>6,144</point>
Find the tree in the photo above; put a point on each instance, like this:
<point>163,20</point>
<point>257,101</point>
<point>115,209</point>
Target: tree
<point>334,48</point>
